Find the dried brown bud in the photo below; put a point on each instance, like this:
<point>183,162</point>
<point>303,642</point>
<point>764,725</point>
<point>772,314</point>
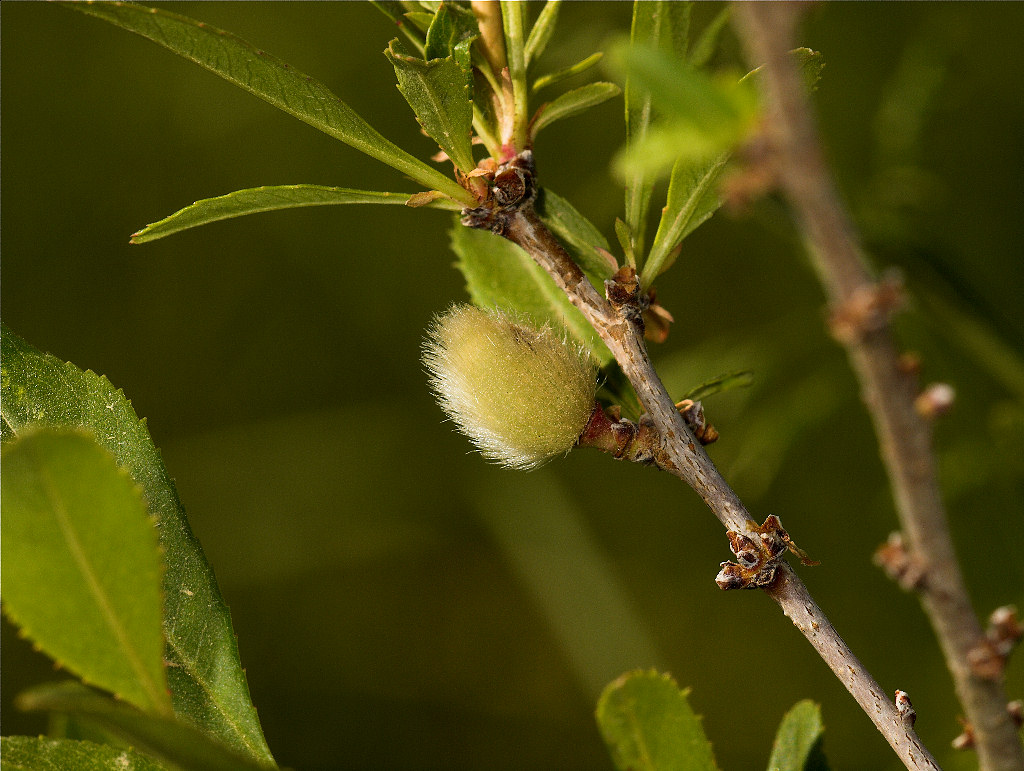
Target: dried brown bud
<point>513,182</point>
<point>509,187</point>
<point>745,548</point>
<point>623,288</point>
<point>730,577</point>
<point>759,552</point>
<point>693,414</point>
<point>774,536</point>
<point>988,658</point>
<point>656,323</point>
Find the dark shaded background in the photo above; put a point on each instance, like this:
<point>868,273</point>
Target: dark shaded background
<point>399,603</point>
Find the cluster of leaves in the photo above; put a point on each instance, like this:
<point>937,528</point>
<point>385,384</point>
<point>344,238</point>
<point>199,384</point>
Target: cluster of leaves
<point>103,572</point>
<point>680,121</point>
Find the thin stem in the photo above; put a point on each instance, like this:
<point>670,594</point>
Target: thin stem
<point>492,35</point>
<point>512,17</point>
<point>681,454</point>
<point>491,46</point>
<point>767,32</point>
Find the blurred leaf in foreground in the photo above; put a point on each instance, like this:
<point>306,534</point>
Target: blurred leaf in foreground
<point>648,725</point>
<point>798,741</point>
<point>702,115</point>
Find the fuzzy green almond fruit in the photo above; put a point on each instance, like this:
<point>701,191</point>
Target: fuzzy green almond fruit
<point>522,394</point>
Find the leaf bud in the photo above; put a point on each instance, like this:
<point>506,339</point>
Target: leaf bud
<point>522,394</point>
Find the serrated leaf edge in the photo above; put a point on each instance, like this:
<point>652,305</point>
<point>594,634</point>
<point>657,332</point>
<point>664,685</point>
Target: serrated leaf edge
<point>159,695</point>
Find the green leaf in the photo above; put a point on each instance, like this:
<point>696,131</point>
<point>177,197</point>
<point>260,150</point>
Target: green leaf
<point>501,275</point>
<point>719,384</point>
<point>25,753</point>
<point>438,93</point>
<point>82,567</point>
<point>205,676</point>
<point>666,145</point>
<point>660,25</point>
<point>682,93</point>
<point>693,187</point>
<point>706,44</point>
<point>259,73</point>
<point>167,739</point>
<point>625,238</point>
<point>451,33</point>
<point>692,199</point>
<point>648,725</point>
<point>271,198</point>
<point>704,116</point>
<point>396,12</point>
<point>578,234</point>
<point>421,20</point>
<point>678,38</point>
<point>572,103</point>
<point>557,77</point>
<point>797,744</point>
<point>811,64</point>
<point>541,31</point>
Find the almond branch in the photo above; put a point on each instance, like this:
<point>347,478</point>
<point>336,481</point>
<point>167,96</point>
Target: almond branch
<point>617,317</point>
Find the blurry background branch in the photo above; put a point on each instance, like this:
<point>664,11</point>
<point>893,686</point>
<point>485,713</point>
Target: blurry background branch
<point>860,309</point>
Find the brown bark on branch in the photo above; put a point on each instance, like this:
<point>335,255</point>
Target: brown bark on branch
<point>618,320</point>
<point>860,316</point>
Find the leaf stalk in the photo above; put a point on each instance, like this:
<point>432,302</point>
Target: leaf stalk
<point>512,18</point>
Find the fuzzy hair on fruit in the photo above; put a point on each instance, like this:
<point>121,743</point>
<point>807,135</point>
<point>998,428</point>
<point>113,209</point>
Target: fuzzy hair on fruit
<point>521,393</point>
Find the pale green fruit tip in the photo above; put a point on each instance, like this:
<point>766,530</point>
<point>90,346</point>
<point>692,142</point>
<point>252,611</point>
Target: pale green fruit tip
<point>522,394</point>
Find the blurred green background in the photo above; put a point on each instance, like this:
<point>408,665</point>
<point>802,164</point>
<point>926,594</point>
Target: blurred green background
<point>398,602</point>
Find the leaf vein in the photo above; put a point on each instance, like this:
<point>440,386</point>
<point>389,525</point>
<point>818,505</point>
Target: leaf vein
<point>156,693</point>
